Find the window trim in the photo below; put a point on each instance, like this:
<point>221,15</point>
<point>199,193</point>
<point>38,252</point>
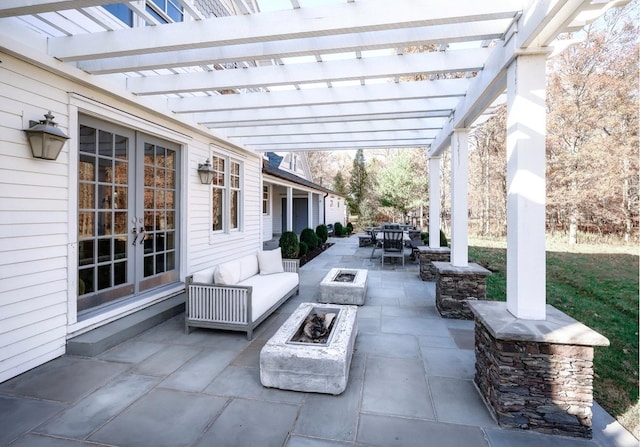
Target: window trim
<point>266,200</point>
<point>227,186</point>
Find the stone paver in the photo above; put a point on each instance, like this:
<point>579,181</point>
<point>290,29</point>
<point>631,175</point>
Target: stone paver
<point>410,383</point>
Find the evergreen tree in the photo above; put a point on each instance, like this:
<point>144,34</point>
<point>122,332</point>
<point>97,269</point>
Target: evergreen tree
<point>339,184</point>
<point>357,184</point>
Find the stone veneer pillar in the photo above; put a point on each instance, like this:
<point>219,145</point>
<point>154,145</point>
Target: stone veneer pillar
<point>427,255</point>
<point>535,374</point>
<point>456,286</point>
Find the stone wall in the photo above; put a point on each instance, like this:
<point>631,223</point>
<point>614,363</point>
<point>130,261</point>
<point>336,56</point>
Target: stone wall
<point>457,285</point>
<point>426,257</point>
<point>532,385</point>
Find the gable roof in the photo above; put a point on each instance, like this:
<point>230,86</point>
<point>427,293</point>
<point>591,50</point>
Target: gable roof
<point>271,166</point>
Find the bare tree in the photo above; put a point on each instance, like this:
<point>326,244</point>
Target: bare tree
<point>592,151</point>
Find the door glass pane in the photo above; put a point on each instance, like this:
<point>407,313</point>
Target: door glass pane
<point>86,255</point>
<point>105,144</point>
<point>119,273</point>
<point>127,201</point>
<point>103,216</point>
<point>159,206</point>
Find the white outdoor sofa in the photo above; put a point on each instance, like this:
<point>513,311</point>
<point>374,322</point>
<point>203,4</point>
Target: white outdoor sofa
<point>240,294</point>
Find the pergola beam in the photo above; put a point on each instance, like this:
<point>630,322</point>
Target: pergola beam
<point>315,72</point>
<point>340,145</point>
<point>332,128</point>
<point>399,135</point>
<point>373,15</point>
<point>434,90</point>
<point>372,40</point>
<point>381,110</point>
<point>311,119</point>
<point>11,8</point>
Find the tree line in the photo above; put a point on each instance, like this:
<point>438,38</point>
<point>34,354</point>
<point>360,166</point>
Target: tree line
<point>591,146</point>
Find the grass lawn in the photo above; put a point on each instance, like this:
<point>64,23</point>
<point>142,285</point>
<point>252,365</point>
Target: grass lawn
<point>599,289</point>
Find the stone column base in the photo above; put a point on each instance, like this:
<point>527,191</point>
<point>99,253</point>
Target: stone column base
<point>535,374</point>
<point>455,286</point>
<point>426,256</point>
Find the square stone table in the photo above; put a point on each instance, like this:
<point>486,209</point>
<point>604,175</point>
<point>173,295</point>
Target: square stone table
<point>339,292</point>
<point>309,367</point>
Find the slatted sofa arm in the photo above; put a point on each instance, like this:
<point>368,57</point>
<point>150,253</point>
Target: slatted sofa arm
<point>291,265</point>
<point>217,304</point>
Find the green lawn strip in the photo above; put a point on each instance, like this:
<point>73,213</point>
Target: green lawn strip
<point>600,291</point>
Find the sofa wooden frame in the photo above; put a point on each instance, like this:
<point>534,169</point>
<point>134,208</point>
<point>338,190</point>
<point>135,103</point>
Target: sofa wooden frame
<point>215,306</point>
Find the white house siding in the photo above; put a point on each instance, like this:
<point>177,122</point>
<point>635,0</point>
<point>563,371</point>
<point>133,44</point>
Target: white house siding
<point>38,218</point>
<point>335,209</point>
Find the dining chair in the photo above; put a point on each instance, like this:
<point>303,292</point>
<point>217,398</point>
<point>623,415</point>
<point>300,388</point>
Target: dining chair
<point>392,245</point>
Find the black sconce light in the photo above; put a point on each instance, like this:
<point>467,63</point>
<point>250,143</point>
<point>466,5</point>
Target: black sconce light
<point>205,171</point>
<point>45,139</point>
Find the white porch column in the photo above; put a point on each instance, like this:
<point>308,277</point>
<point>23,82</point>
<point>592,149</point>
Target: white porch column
<point>310,210</point>
<point>434,202</point>
<point>526,121</point>
<point>289,208</point>
<point>459,199</point>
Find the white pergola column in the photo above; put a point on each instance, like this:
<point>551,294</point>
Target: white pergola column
<point>434,202</point>
<point>526,121</point>
<point>459,198</point>
<point>289,209</point>
<point>310,210</point>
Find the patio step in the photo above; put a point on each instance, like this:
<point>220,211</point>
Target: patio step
<point>105,337</point>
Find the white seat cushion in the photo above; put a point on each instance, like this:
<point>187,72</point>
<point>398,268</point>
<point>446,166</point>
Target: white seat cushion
<point>268,289</point>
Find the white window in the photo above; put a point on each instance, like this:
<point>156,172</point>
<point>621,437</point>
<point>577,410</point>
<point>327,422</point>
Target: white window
<point>266,201</point>
<point>226,194</point>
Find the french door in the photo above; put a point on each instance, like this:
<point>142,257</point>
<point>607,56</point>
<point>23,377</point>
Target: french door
<point>127,213</point>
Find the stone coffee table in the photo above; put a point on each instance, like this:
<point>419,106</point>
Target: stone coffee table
<point>310,367</point>
<point>344,286</point>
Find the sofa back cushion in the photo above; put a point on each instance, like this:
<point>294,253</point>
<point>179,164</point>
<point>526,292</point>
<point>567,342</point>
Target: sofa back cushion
<point>204,276</point>
<point>227,273</point>
<point>248,266</point>
<point>270,261</point>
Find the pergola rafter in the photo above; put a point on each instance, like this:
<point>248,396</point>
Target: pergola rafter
<point>253,76</point>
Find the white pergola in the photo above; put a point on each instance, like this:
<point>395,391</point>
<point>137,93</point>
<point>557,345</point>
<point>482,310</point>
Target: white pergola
<point>343,75</point>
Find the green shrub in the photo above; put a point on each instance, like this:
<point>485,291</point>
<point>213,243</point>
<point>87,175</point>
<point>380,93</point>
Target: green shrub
<point>304,248</point>
<point>338,229</point>
<point>309,237</point>
<point>443,239</point>
<point>349,228</point>
<point>289,245</point>
<point>323,232</point>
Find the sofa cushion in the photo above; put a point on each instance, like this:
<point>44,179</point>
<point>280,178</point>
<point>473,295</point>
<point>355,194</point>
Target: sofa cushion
<point>204,276</point>
<point>268,289</point>
<point>248,266</point>
<point>270,261</point>
<point>227,273</point>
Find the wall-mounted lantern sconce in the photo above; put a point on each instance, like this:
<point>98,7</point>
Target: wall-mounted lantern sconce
<point>45,139</point>
<point>205,171</point>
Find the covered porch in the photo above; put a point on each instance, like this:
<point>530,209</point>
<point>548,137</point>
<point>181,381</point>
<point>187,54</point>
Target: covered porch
<point>241,83</point>
<point>411,383</point>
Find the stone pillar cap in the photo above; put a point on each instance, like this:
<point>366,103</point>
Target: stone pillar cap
<point>558,327</point>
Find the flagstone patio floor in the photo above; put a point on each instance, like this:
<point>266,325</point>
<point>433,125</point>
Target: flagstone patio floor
<point>410,384</point>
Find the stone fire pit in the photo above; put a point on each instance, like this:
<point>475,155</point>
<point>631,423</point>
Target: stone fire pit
<point>344,286</point>
<point>306,366</point>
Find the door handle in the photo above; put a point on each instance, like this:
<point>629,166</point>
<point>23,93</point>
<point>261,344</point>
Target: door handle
<point>137,232</point>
